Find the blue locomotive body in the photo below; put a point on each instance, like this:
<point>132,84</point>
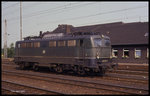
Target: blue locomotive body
<point>81,54</point>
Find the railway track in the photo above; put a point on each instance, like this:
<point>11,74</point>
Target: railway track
<point>134,67</point>
<point>113,75</point>
<point>18,88</point>
<point>9,91</point>
<point>103,85</point>
<point>127,76</point>
<point>131,72</point>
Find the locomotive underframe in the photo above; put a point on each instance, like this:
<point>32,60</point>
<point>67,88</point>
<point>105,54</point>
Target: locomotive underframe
<point>95,65</point>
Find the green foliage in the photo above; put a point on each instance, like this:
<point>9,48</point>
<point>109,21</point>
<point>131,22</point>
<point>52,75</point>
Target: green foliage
<point>10,51</point>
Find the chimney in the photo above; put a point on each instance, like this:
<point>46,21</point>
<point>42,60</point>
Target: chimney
<point>68,29</point>
<point>40,33</point>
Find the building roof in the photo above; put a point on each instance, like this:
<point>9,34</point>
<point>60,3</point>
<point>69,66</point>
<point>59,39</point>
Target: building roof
<point>120,33</point>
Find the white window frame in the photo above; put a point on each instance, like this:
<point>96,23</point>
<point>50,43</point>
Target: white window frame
<point>124,51</point>
<point>113,55</point>
<point>136,50</point>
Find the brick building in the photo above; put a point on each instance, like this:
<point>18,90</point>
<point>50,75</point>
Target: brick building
<point>129,40</point>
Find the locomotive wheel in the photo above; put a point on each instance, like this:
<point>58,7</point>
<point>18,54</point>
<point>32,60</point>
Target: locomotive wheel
<point>35,67</point>
<point>59,69</point>
<point>81,71</point>
<point>22,66</point>
<point>102,71</point>
<point>75,69</point>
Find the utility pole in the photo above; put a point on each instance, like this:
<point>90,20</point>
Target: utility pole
<point>5,40</point>
<point>140,19</point>
<point>20,21</point>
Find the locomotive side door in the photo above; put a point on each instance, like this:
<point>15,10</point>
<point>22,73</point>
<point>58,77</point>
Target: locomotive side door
<point>81,51</point>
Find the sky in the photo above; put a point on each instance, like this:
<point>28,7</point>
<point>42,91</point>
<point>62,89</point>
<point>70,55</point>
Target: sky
<point>46,16</point>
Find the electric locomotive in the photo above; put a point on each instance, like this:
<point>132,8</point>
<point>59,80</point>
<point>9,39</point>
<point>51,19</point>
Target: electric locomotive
<point>78,53</point>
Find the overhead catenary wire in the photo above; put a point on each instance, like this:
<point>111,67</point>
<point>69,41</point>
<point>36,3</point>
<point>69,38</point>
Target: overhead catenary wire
<point>16,9</point>
<point>49,23</point>
<point>10,6</point>
<point>106,21</point>
<point>66,9</point>
<point>87,16</point>
<point>79,17</point>
<point>52,9</point>
<point>39,12</point>
<point>112,20</point>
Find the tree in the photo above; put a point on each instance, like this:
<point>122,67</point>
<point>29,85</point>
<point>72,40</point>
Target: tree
<point>11,51</point>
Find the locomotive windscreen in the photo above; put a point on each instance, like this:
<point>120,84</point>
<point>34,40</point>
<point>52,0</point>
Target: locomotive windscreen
<point>97,42</point>
<point>102,47</point>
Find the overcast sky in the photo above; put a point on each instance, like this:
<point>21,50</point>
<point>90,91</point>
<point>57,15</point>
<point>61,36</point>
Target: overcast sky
<point>46,16</point>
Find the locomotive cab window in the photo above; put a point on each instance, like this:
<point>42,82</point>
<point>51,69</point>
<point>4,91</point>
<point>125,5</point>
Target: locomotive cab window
<point>106,42</point>
<point>97,42</point>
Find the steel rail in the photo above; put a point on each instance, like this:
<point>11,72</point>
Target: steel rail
<point>128,72</point>
<point>82,81</point>
<point>10,90</point>
<point>33,87</point>
<point>119,75</point>
<point>126,76</point>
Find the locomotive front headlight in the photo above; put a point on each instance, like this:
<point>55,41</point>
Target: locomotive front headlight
<point>97,57</point>
<point>110,57</point>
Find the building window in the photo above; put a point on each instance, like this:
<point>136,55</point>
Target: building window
<point>52,44</point>
<point>114,53</point>
<point>137,53</point>
<point>23,45</point>
<point>61,43</point>
<point>71,42</point>
<point>125,53</point>
<point>29,45</point>
<point>36,44</point>
<point>147,53</point>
